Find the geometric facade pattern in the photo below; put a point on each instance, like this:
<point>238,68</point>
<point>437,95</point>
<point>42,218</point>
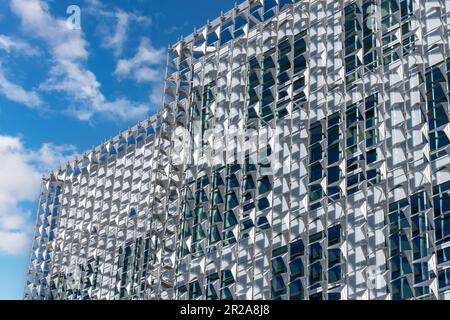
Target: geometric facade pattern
<point>343,194</point>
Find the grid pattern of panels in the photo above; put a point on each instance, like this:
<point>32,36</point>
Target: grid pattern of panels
<point>96,235</point>
<point>357,209</point>
<point>355,206</point>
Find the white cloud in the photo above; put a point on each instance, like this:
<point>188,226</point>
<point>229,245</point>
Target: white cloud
<point>11,45</point>
<point>156,95</point>
<point>17,93</point>
<point>51,156</point>
<point>145,66</point>
<point>69,74</point>
<point>116,24</point>
<point>117,40</point>
<point>13,242</point>
<point>9,89</point>
<point>20,175</point>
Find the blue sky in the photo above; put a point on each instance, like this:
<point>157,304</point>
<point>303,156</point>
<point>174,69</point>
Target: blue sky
<point>64,91</point>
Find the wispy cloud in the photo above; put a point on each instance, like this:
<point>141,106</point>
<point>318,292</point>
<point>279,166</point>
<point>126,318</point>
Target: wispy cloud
<point>9,89</point>
<point>178,28</point>
<point>156,95</point>
<point>20,176</point>
<point>117,39</point>
<point>11,45</point>
<point>115,26</point>
<point>51,156</point>
<point>145,66</point>
<point>16,93</point>
<point>69,74</point>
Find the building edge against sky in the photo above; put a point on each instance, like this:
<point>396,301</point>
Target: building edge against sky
<point>346,104</point>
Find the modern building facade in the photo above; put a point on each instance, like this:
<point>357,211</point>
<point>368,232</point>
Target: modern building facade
<point>302,152</point>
